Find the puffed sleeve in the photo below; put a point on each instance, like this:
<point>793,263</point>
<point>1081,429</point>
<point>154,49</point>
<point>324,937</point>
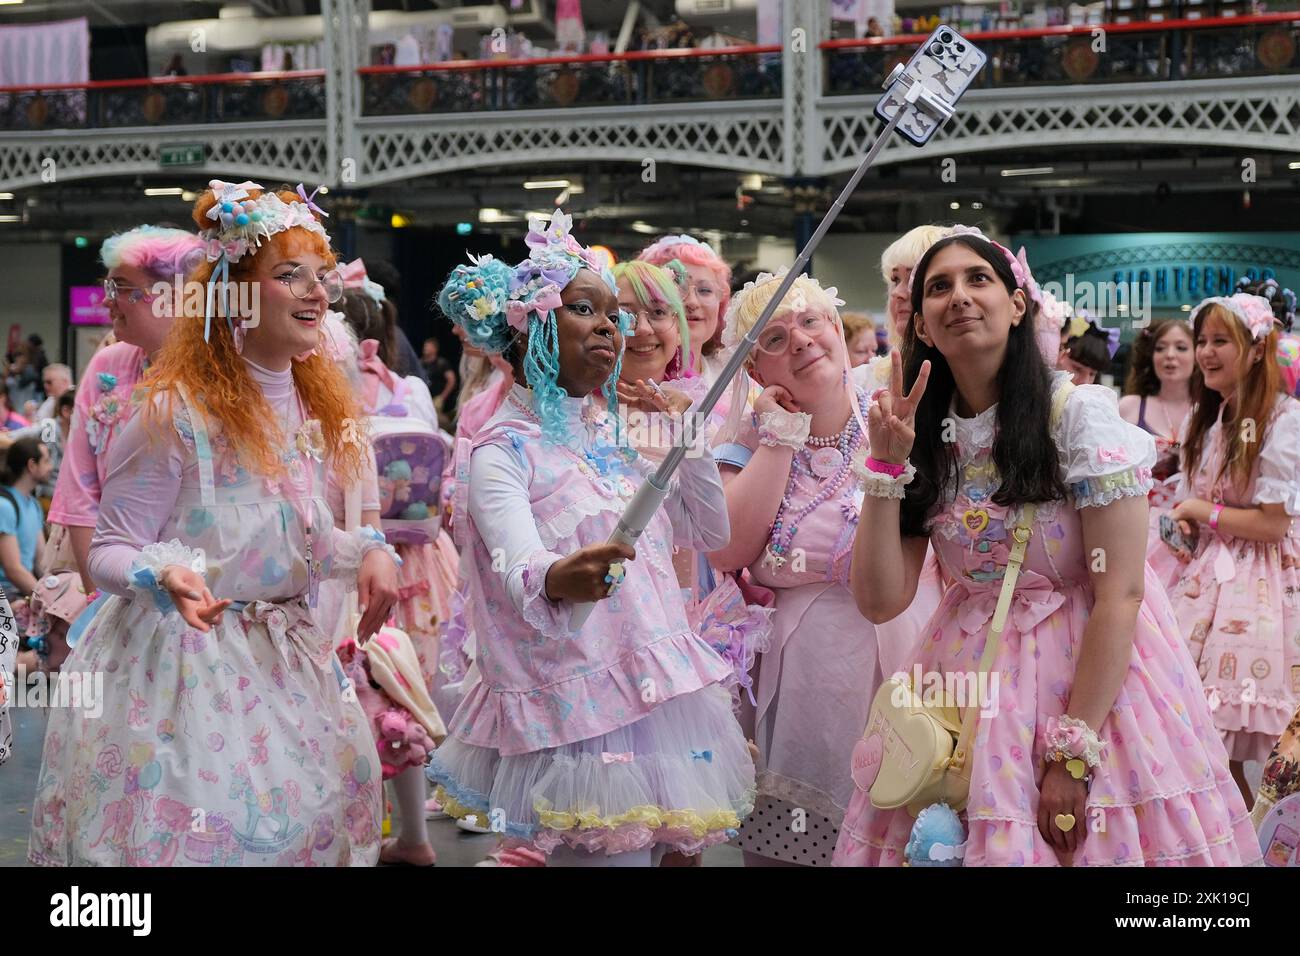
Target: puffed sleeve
<point>1105,457</point>
<point>140,491</point>
<point>502,511</point>
<point>1279,460</point>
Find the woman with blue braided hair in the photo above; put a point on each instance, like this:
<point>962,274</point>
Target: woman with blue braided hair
<point>614,743</point>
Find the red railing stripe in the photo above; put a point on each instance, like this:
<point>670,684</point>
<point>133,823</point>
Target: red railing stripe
<point>633,57</point>
<point>1145,26</point>
<point>207,79</point>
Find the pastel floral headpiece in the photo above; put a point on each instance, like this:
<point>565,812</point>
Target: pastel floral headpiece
<point>1252,311</point>
<point>1019,263</point>
<point>731,335</point>
<point>667,242</point>
<point>354,277</point>
<point>555,259</point>
<point>239,225</point>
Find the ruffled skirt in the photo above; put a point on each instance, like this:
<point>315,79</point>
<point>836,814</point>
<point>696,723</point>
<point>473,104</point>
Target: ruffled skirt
<point>1238,606</point>
<point>1163,795</point>
<point>236,747</point>
<point>680,777</point>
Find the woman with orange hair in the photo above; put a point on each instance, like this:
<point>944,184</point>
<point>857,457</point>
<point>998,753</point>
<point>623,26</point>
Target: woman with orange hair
<point>229,734</point>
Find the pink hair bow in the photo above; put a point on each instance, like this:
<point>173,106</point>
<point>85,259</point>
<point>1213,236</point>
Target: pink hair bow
<point>368,359</point>
<point>517,315</point>
<point>307,200</point>
<point>353,273</point>
<point>616,758</point>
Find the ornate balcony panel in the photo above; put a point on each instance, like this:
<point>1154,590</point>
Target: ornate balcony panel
<point>166,101</point>
<point>290,151</point>
<point>742,136</point>
<point>675,76</point>
<point>1256,112</point>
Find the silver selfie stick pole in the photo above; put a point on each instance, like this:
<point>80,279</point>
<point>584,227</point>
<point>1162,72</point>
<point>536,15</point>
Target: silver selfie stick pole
<point>652,493</point>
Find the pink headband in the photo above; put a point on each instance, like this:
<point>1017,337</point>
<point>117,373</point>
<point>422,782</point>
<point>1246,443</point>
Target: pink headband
<point>1019,264</point>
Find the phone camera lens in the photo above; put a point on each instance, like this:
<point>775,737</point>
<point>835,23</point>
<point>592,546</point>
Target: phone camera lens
<point>945,37</point>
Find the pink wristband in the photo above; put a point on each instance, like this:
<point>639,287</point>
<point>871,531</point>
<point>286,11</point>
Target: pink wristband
<point>1214,517</point>
<point>884,467</point>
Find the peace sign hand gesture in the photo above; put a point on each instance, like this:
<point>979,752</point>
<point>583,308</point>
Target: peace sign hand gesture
<point>891,422</point>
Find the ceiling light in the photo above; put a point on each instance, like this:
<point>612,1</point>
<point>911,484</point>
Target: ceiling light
<point>189,196</point>
<point>977,205</point>
<point>1186,308</point>
<point>644,227</point>
<point>323,190</point>
<point>752,183</point>
<point>6,195</point>
<point>1029,171</point>
<point>11,218</point>
<point>954,206</point>
<point>490,214</point>
<point>165,191</point>
<point>547,184</point>
<point>1293,165</point>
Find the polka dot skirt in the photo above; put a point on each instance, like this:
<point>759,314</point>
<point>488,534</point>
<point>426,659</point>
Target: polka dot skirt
<point>768,831</point>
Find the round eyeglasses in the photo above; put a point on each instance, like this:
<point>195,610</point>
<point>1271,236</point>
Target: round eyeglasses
<point>302,282</point>
<point>658,317</point>
<point>775,339</point>
<point>113,288</point>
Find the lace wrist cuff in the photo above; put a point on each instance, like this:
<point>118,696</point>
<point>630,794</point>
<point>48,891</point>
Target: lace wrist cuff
<point>147,569</point>
<point>876,484</point>
<point>784,428</point>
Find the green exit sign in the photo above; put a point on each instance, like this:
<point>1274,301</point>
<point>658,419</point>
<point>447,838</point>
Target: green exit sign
<point>189,154</point>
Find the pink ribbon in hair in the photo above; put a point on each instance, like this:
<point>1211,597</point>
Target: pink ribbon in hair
<point>368,360</point>
<point>353,273</point>
<point>546,299</point>
<point>616,758</point>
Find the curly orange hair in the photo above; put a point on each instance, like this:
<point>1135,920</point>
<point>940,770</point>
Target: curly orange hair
<point>218,379</point>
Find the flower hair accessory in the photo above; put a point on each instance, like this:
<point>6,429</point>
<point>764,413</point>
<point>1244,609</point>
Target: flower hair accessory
<point>798,301</point>
<point>556,257</point>
<point>239,225</point>
<point>1252,311</point>
<point>667,242</point>
<point>354,277</point>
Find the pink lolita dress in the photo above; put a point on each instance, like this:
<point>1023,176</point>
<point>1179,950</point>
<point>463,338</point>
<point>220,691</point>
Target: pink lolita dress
<point>819,671</point>
<point>1163,792</point>
<point>1238,602</point>
<point>238,747</point>
<point>1164,495</point>
<point>614,738</point>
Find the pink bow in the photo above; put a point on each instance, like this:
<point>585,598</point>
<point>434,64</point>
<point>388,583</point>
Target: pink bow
<point>616,758</point>
<point>1116,456</point>
<point>517,315</point>
<point>354,274</point>
<point>1034,601</point>
<point>368,360</point>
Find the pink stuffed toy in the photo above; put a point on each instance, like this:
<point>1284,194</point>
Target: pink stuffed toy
<point>401,740</point>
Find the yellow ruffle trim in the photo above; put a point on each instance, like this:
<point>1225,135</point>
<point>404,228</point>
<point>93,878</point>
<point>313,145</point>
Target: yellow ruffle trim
<point>648,815</point>
<point>698,825</point>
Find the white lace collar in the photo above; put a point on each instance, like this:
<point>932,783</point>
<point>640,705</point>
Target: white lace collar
<point>976,434</point>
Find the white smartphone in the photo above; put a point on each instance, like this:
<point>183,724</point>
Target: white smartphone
<point>946,64</point>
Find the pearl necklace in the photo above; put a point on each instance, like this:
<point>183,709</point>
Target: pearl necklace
<point>784,529</point>
<point>827,459</point>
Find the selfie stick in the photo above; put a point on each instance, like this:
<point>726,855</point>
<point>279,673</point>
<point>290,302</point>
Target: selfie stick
<point>654,490</point>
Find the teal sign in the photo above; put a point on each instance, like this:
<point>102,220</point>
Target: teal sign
<point>1130,275</point>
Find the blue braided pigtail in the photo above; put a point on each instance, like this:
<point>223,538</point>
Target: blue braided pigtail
<point>474,298</point>
<point>542,367</point>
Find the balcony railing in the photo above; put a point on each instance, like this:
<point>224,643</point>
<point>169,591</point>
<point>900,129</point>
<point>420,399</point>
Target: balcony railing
<point>1132,52</point>
<point>664,76</point>
<point>165,101</point>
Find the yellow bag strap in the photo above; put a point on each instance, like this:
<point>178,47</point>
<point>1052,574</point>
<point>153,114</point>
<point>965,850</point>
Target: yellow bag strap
<point>1021,534</point>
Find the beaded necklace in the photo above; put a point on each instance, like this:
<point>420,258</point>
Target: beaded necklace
<point>784,528</point>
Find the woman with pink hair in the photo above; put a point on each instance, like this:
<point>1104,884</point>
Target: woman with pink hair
<point>137,261</point>
<point>706,294</point>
